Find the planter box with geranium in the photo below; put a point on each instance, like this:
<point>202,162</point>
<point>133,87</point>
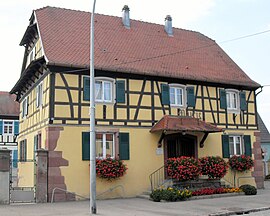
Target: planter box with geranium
<point>241,163</point>
<point>183,168</point>
<point>214,167</point>
<point>110,168</point>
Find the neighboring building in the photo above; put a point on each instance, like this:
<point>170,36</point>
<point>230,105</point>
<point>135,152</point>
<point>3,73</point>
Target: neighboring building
<point>9,126</point>
<point>265,143</point>
<point>159,94</point>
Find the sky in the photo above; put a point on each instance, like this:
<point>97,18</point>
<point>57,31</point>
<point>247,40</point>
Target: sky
<point>221,20</point>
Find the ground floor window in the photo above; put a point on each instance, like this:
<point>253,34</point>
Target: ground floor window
<point>23,150</point>
<point>105,145</point>
<point>236,145</point>
<point>111,144</point>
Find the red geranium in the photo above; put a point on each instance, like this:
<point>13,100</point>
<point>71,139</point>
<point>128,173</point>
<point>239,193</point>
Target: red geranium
<point>214,167</point>
<point>183,168</point>
<point>110,168</point>
<point>241,163</point>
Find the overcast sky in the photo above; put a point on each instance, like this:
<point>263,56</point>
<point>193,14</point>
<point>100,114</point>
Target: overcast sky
<point>220,20</point>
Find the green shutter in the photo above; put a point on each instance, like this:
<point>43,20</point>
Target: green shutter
<point>85,146</point>
<point>120,91</point>
<point>16,127</point>
<point>223,99</point>
<point>1,127</point>
<point>243,102</point>
<point>247,143</point>
<point>165,94</point>
<point>86,88</point>
<point>124,146</point>
<point>190,97</point>
<point>225,146</point>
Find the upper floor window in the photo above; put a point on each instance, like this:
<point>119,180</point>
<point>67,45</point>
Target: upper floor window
<point>177,95</point>
<point>8,127</point>
<point>39,93</point>
<point>103,90</point>
<point>25,107</point>
<point>233,100</point>
<point>232,97</point>
<point>107,90</point>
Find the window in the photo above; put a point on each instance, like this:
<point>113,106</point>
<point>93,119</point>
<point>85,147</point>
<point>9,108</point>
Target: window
<point>232,100</point>
<point>8,127</point>
<point>23,150</point>
<point>103,90</point>
<point>39,93</point>
<point>177,95</point>
<point>25,107</point>
<point>236,145</point>
<point>108,144</point>
<point>105,145</point>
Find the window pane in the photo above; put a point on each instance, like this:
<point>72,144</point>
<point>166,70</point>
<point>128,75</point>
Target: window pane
<point>228,100</point>
<point>107,91</point>
<point>99,145</point>
<point>98,90</point>
<point>172,96</point>
<point>109,149</point>
<point>179,96</point>
<point>234,100</point>
<point>231,145</point>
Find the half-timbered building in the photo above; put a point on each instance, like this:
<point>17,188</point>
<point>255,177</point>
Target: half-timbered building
<point>160,92</point>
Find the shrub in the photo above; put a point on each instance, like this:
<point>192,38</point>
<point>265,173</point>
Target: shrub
<point>183,168</point>
<point>110,168</point>
<point>213,167</point>
<point>241,163</point>
<point>248,189</point>
<point>170,194</point>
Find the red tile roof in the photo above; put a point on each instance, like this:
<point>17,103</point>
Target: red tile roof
<point>183,124</point>
<point>8,106</point>
<point>145,48</point>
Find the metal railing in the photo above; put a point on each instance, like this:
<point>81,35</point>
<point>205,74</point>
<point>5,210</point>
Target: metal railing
<point>158,178</point>
<point>61,189</point>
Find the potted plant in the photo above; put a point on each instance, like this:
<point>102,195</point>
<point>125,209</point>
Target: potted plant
<point>214,167</point>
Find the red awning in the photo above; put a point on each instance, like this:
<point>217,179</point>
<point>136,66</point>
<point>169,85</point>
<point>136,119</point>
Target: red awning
<point>182,124</point>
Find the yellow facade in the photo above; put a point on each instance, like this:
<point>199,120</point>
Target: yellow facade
<point>63,106</point>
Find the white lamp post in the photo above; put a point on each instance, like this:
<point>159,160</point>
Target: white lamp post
<point>93,207</point>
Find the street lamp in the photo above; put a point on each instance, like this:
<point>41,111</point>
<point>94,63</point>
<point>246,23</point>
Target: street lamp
<point>93,207</point>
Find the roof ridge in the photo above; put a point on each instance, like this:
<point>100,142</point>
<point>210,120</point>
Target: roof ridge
<point>136,20</point>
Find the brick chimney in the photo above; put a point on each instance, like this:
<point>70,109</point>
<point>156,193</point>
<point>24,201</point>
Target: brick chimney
<point>125,17</point>
<point>168,25</point>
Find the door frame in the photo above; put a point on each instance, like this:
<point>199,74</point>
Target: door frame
<point>192,137</point>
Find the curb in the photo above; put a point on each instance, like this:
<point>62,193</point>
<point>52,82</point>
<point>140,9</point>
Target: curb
<point>240,212</point>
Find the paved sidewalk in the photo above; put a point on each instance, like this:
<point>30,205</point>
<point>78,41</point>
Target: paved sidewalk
<point>142,207</point>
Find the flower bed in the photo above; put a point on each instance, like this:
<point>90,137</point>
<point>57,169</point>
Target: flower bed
<point>241,163</point>
<point>183,168</point>
<point>210,191</point>
<point>214,167</point>
<point>110,168</point>
<point>170,194</point>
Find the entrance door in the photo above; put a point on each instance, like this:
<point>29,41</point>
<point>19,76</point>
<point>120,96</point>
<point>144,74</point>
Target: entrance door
<point>178,145</point>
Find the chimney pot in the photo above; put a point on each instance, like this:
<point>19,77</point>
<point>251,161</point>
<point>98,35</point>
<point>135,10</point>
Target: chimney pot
<point>125,16</point>
<point>168,25</point>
